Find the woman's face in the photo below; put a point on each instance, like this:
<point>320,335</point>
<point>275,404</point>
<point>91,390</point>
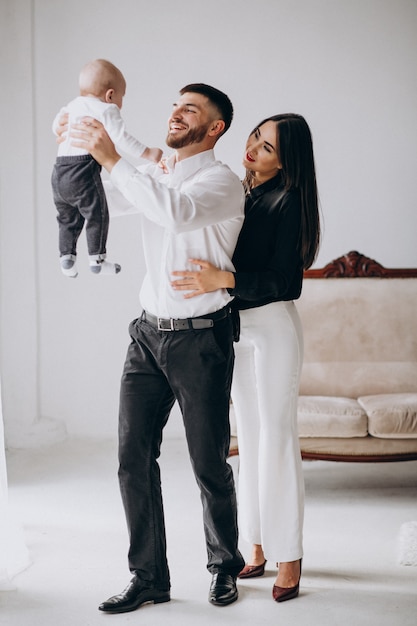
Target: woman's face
<point>261,155</point>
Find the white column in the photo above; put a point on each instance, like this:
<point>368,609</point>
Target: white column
<point>18,235</point>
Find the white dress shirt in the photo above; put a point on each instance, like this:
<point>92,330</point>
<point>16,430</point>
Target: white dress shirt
<point>195,211</point>
<point>110,116</point>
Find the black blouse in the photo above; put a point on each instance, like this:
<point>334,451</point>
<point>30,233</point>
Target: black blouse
<point>267,260</point>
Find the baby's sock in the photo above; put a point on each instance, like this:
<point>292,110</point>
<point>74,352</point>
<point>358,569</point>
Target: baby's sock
<point>99,265</point>
<point>68,266</point>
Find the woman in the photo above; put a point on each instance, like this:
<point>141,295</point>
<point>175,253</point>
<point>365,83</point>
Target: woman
<point>279,239</point>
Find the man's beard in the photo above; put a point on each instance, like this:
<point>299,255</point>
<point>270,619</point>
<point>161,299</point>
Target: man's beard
<point>195,135</point>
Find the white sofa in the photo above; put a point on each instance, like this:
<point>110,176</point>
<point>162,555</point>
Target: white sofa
<point>358,392</point>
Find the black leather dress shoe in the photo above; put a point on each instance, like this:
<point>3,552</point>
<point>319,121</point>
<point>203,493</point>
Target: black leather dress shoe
<point>133,597</point>
<point>223,589</point>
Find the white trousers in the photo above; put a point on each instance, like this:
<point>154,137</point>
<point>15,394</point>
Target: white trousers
<point>265,387</point>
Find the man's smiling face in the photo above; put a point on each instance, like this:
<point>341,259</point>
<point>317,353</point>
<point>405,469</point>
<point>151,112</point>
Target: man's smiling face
<point>190,120</point>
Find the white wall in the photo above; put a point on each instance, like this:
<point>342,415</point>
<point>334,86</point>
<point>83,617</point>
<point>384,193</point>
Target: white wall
<point>348,67</point>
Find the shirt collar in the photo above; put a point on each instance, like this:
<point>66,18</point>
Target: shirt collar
<point>272,183</point>
<point>187,167</point>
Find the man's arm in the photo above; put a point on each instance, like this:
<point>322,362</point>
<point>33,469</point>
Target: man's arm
<point>214,195</point>
<point>135,150</point>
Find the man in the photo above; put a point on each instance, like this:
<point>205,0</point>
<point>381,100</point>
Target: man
<point>181,349</point>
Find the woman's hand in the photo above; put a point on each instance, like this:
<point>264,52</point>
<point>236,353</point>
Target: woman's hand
<point>208,278</point>
<point>91,135</point>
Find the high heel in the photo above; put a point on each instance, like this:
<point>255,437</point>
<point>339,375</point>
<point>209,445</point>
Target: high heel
<point>252,571</point>
<point>280,594</point>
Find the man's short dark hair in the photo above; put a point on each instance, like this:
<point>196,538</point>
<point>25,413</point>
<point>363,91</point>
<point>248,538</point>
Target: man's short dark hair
<point>216,97</point>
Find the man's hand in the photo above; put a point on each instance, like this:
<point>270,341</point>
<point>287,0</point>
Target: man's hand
<point>61,128</point>
<point>91,135</point>
<point>208,278</point>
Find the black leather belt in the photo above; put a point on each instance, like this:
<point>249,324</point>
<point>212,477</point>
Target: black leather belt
<point>198,323</point>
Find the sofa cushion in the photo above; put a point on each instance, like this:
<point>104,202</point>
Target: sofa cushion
<point>392,415</point>
<point>360,336</point>
<point>326,416</point>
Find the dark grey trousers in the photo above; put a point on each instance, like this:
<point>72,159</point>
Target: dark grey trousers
<point>79,197</point>
<point>193,367</point>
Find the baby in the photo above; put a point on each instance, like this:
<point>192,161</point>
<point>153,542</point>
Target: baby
<point>76,182</point>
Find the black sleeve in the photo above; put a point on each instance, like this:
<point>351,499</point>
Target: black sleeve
<point>282,262</point>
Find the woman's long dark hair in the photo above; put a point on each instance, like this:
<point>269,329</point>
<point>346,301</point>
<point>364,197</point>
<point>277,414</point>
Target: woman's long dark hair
<point>295,152</point>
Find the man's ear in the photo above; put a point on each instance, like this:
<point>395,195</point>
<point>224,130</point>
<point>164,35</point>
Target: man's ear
<point>217,128</point>
<point>109,95</point>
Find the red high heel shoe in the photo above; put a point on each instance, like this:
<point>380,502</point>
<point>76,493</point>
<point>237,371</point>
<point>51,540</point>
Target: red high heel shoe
<point>280,594</point>
<point>252,571</point>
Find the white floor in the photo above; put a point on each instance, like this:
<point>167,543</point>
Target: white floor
<point>68,501</point>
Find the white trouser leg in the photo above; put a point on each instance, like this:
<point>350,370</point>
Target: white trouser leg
<point>264,393</point>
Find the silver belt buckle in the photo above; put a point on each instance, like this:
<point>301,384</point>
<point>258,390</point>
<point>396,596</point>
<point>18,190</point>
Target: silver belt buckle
<point>171,326</point>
